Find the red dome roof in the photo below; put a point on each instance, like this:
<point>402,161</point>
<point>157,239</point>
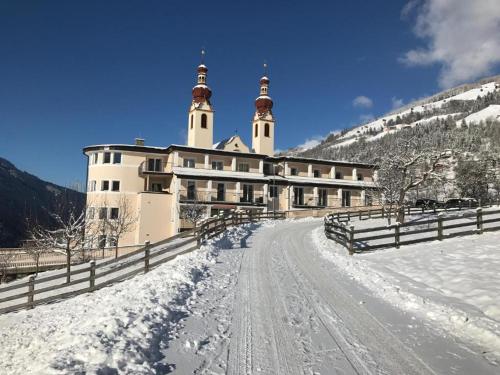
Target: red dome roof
<point>201,93</point>
<point>263,104</point>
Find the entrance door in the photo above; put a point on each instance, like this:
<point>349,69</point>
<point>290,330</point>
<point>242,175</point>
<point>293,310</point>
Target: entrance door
<point>298,196</point>
<point>220,192</point>
<point>346,198</point>
<point>247,193</point>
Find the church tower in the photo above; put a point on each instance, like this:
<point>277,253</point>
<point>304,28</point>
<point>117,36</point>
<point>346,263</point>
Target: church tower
<point>201,114</point>
<point>263,121</point>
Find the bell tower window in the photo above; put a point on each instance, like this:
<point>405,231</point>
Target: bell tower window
<point>191,122</point>
<point>256,130</point>
<point>266,130</point>
<point>204,121</point>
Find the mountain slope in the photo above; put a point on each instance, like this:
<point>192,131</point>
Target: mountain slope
<point>473,103</point>
<point>23,195</point>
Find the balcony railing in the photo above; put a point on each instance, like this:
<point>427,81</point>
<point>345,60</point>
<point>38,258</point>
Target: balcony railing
<point>153,167</point>
<point>227,197</point>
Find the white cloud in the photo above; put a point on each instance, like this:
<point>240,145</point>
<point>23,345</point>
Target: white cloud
<point>311,142</point>
<point>366,117</point>
<point>396,102</point>
<point>408,8</point>
<point>362,102</point>
<point>461,35</point>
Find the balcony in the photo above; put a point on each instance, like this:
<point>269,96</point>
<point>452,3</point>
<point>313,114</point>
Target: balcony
<point>154,167</point>
<point>226,197</point>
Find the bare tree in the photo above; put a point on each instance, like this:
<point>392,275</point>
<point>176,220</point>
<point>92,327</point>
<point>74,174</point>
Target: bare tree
<point>404,167</point>
<point>122,219</point>
<point>5,262</point>
<point>39,242</point>
<point>193,212</point>
<point>67,236</point>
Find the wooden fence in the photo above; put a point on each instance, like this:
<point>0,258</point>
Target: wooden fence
<point>339,228</point>
<point>92,276</point>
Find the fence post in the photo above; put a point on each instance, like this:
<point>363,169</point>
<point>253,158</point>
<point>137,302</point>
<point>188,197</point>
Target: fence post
<point>351,239</point>
<point>146,256</point>
<point>92,275</point>
<point>440,226</point>
<point>396,235</point>
<point>348,215</point>
<point>31,291</point>
<point>338,216</point>
<point>369,214</point>
<point>408,210</point>
<point>383,212</point>
<point>360,214</point>
<point>460,205</point>
<point>479,220</point>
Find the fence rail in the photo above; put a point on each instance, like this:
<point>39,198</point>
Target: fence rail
<point>338,227</point>
<point>92,276</point>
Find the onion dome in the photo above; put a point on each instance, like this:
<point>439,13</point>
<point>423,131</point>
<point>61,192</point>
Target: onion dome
<point>201,92</point>
<point>264,103</point>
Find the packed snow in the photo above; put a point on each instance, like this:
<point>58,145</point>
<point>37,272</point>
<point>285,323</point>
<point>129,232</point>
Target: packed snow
<point>260,298</point>
<point>454,283</point>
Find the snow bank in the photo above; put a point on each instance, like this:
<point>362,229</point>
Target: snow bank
<point>121,328</point>
<point>454,283</point>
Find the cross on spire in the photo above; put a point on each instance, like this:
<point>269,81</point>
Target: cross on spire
<point>202,55</point>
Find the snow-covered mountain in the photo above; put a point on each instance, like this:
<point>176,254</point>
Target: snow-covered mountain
<point>469,103</point>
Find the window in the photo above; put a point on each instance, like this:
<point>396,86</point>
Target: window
<point>104,185</point>
<point>90,212</point>
<point>191,122</point>
<point>256,130</point>
<point>92,185</point>
<point>217,165</point>
<point>103,213</point>
<point>220,192</point>
<point>346,198</point>
<point>117,158</point>
<point>191,190</point>
<point>154,165</point>
<point>294,172</point>
<point>322,197</point>
<point>243,167</point>
<point>204,121</point>
<point>93,158</point>
<point>266,130</point>
<point>115,186</point>
<point>247,193</point>
<point>156,187</point>
<point>360,177</point>
<point>338,175</point>
<point>273,191</point>
<point>298,196</point>
<point>102,241</point>
<point>107,158</point>
<point>113,213</point>
<point>112,242</point>
<point>189,163</point>
<point>317,173</point>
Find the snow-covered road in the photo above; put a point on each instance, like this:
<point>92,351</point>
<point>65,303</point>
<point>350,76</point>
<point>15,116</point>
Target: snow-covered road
<point>295,313</point>
<point>260,299</point>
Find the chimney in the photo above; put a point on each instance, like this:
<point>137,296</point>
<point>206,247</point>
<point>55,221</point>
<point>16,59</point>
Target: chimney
<point>139,141</point>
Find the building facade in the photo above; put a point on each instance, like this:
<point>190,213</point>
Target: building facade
<point>155,183</point>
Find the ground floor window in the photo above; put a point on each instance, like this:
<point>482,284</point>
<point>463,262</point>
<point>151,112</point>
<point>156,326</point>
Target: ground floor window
<point>346,198</point>
<point>298,196</point>
<point>191,190</point>
<point>221,192</point>
<point>322,197</point>
<point>247,193</point>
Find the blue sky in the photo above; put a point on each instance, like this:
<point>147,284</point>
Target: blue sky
<point>75,73</point>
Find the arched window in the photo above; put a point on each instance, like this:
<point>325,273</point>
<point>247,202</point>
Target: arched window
<point>256,130</point>
<point>266,129</point>
<point>191,122</point>
<point>204,121</point>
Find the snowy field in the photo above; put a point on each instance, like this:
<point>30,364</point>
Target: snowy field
<point>262,299</point>
<point>454,283</point>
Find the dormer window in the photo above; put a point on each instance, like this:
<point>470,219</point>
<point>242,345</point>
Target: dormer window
<point>294,172</point>
<point>317,173</point>
<point>338,175</point>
